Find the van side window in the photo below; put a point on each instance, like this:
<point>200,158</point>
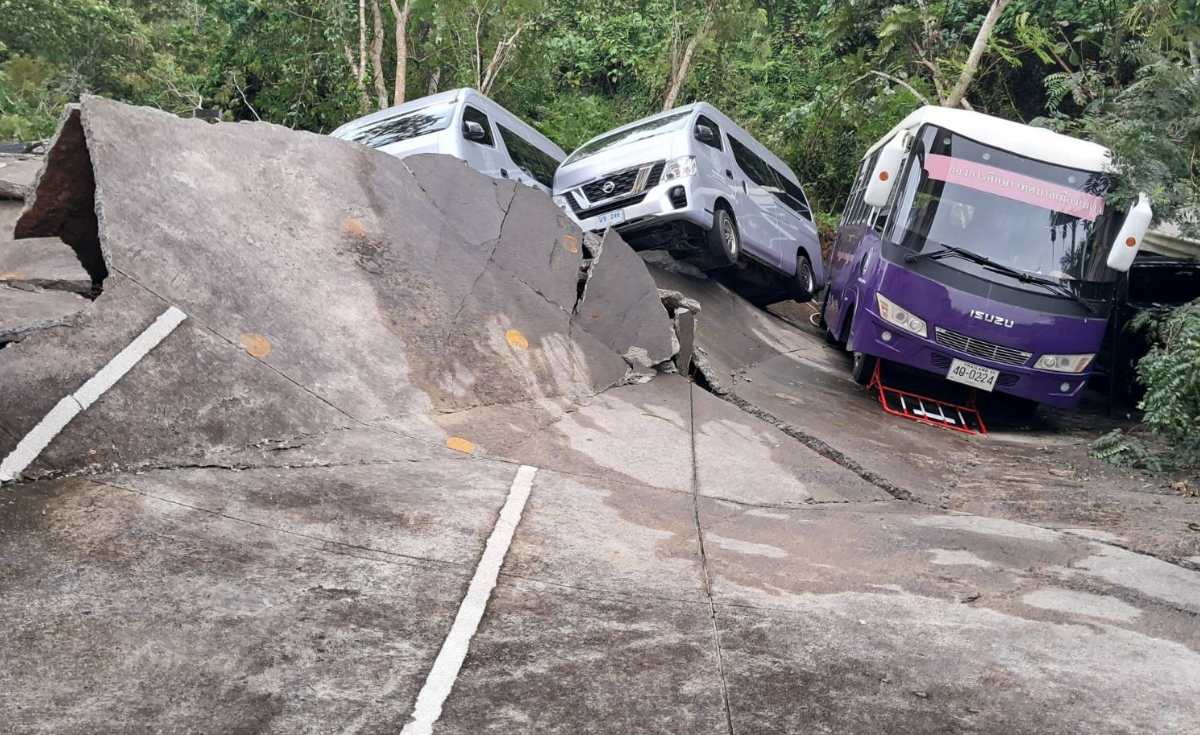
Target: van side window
<point>716,141</point>
<point>754,167</point>
<point>528,157</point>
<point>470,114</point>
<point>792,196</point>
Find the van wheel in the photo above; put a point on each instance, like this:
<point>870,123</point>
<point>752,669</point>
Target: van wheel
<point>803,280</point>
<point>724,240</point>
<point>863,368</point>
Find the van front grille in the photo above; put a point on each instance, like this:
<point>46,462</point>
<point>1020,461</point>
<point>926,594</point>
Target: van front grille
<point>980,348</point>
<point>628,181</point>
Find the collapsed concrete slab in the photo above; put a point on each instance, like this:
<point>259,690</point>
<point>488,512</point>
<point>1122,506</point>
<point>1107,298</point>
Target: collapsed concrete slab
<point>27,310</point>
<point>325,285</point>
<point>17,173</point>
<point>42,262</point>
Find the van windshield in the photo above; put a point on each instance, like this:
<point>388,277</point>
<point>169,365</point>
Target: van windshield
<point>1029,215</point>
<point>405,125</point>
<point>648,129</point>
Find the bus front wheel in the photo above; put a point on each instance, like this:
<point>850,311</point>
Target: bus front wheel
<point>863,367</point>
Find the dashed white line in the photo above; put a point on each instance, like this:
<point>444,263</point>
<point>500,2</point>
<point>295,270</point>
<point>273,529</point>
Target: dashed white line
<point>32,444</point>
<point>454,649</point>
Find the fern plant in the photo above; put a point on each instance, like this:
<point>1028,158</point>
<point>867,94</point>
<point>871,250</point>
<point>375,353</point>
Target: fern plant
<point>1170,372</point>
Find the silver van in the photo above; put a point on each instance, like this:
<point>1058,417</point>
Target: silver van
<point>693,175</point>
<point>467,125</point>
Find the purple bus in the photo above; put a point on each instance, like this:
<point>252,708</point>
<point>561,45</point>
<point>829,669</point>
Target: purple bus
<point>983,251</point>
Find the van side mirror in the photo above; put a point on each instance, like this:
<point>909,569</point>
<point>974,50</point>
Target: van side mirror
<point>887,170</point>
<point>473,131</point>
<point>1129,240</point>
<point>705,134</point>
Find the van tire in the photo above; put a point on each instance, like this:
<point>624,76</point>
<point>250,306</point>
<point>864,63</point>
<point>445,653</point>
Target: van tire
<point>803,281</point>
<point>724,240</point>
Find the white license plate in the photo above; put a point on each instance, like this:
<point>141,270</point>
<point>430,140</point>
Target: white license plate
<point>608,219</point>
<point>976,376</point>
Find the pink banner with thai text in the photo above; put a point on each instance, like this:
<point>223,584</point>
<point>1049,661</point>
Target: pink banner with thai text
<point>981,177</point>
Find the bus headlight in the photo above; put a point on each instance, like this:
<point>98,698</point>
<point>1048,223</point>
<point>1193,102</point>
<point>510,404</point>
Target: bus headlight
<point>901,317</point>
<point>1064,363</point>
<point>680,168</point>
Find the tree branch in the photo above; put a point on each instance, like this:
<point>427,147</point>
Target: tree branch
<point>955,98</point>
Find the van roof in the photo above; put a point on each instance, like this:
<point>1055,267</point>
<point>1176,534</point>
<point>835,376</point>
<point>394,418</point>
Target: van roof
<point>462,94</point>
<point>1024,140</point>
<point>721,118</point>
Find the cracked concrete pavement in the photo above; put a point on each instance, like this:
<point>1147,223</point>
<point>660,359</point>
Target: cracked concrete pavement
<point>271,522</point>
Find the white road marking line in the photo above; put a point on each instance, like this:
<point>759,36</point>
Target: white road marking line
<point>32,444</point>
<point>454,649</point>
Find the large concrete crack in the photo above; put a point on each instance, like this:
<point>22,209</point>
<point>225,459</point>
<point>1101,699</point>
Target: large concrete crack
<point>707,579</point>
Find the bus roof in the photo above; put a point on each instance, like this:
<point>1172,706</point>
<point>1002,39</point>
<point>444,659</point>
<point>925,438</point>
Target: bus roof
<point>1024,140</point>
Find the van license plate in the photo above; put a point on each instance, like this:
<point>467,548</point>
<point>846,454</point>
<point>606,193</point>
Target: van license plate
<point>608,219</point>
<point>976,376</point>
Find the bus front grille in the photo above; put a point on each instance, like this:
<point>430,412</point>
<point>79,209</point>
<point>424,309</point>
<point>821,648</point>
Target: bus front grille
<point>980,348</point>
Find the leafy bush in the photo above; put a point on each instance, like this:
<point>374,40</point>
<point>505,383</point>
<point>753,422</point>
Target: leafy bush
<point>1171,374</point>
<point>1170,371</point>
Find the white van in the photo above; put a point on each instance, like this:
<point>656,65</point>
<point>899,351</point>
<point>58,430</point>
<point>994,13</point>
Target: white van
<point>467,125</point>
<point>693,175</point>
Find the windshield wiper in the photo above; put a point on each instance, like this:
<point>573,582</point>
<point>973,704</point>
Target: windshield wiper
<point>1050,285</point>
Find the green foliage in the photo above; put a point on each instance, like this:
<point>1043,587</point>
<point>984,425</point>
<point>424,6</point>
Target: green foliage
<point>816,80</point>
<point>1122,450</point>
<point>1171,374</point>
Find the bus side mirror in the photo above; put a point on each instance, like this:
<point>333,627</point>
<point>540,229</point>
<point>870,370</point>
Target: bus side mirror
<point>887,170</point>
<point>705,134</point>
<point>473,131</point>
<point>1129,240</point>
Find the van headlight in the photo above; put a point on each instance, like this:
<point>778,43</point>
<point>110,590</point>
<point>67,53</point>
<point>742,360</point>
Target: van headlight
<point>1064,363</point>
<point>561,202</point>
<point>680,168</point>
<point>901,317</point>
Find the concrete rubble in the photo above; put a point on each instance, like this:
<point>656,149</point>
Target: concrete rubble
<point>325,285</point>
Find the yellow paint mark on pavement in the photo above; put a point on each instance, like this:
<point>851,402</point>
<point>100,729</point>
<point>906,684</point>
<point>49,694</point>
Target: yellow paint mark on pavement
<point>256,345</point>
<point>516,339</point>
<point>354,227</point>
<point>12,276</point>
<point>571,243</point>
<point>458,444</point>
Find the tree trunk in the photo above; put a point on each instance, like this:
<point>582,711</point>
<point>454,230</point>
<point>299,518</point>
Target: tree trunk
<point>499,58</point>
<point>956,96</point>
<point>377,56</point>
<point>359,70</point>
<point>679,72</point>
<point>401,14</point>
<point>434,80</point>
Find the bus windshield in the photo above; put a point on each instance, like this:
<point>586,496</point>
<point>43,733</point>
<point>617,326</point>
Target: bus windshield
<point>648,129</point>
<point>396,128</point>
<point>1034,217</point>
